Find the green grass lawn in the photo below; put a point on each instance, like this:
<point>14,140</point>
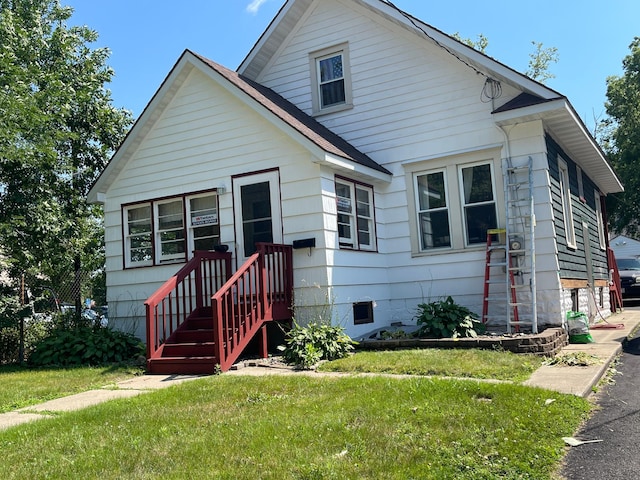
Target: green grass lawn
<point>472,363</point>
<point>235,427</point>
<point>22,387</point>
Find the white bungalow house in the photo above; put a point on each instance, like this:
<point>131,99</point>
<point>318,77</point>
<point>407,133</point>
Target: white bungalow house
<point>379,147</point>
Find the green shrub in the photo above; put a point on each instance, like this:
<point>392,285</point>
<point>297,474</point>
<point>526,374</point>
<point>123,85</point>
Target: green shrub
<point>85,345</point>
<point>445,318</point>
<point>306,346</point>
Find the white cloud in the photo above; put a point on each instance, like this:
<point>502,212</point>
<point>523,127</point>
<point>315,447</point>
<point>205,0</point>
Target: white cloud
<point>254,6</point>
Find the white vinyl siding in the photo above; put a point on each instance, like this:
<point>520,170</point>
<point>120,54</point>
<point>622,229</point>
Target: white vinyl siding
<point>567,210</point>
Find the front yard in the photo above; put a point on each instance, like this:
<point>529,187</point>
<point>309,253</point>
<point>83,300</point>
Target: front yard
<point>283,427</point>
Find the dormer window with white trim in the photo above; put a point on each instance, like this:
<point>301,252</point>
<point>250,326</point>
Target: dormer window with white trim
<point>331,81</point>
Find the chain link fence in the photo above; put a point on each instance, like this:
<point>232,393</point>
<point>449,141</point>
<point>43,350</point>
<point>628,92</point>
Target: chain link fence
<point>30,306</point>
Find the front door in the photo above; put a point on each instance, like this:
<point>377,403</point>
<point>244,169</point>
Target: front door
<point>258,216</point>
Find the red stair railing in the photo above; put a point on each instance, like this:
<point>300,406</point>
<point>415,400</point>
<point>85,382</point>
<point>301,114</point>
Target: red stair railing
<point>188,291</point>
<point>615,286</point>
<point>260,291</point>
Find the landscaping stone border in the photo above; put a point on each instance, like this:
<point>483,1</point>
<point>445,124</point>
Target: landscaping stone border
<point>547,343</point>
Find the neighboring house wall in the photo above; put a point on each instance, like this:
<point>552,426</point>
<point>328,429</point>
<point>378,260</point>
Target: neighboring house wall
<point>625,247</point>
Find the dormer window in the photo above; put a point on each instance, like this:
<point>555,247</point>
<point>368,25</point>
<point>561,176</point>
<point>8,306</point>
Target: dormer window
<point>330,79</point>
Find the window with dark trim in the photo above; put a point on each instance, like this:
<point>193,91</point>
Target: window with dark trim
<point>356,223</point>
<point>168,230</point>
<point>432,209</point>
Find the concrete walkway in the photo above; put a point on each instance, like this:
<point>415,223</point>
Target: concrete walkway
<point>576,380</point>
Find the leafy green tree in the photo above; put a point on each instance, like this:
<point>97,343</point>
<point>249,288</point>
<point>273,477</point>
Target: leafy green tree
<point>539,62</point>
<point>540,59</point>
<point>480,44</point>
<point>58,128</point>
<point>622,142</point>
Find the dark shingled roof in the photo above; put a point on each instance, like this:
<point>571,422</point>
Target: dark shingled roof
<point>296,118</point>
<point>521,101</point>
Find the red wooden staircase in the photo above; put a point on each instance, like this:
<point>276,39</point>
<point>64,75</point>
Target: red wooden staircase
<point>203,317</point>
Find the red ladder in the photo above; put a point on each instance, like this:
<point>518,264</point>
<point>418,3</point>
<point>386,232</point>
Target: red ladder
<point>505,264</point>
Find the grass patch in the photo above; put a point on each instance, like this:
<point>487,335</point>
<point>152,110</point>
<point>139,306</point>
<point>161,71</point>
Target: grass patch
<point>23,387</point>
<point>273,427</point>
<point>471,363</point>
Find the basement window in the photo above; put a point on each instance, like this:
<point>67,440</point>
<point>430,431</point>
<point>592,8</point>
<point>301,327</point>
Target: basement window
<point>362,313</point>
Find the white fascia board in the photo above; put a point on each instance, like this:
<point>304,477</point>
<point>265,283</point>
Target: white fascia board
<point>532,112</point>
<point>559,114</point>
<point>141,127</point>
<point>352,168</point>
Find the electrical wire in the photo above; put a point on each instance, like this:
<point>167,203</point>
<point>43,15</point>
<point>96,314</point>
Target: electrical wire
<point>492,88</point>
<point>491,91</point>
<point>413,22</point>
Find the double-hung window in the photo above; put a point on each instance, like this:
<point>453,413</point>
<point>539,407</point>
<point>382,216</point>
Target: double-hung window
<point>600,219</point>
<point>356,223</point>
<point>170,234</point>
<point>478,202</point>
<point>565,197</point>
<point>453,201</point>
<point>170,229</point>
<point>331,82</point>
<point>433,211</point>
<point>202,218</point>
<point>139,235</point>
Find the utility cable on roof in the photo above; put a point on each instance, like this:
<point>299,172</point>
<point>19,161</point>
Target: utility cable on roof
<point>410,18</point>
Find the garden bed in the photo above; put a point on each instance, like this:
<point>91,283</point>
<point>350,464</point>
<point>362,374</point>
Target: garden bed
<point>547,343</point>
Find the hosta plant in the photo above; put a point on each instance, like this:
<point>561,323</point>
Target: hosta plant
<point>445,318</point>
<point>307,345</point>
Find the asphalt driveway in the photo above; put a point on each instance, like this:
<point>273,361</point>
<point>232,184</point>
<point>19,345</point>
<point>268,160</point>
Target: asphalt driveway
<point>617,424</point>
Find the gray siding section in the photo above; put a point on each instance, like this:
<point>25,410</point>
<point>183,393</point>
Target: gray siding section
<point>573,262</point>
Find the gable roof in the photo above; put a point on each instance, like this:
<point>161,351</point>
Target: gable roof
<point>286,115</point>
<point>296,118</point>
<point>537,101</point>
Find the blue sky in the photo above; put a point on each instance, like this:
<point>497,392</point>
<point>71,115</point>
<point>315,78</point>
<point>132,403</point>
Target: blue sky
<point>146,37</point>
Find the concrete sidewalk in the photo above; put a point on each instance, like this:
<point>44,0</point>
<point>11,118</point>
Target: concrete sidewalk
<point>574,380</point>
<point>125,389</point>
<point>607,346</point>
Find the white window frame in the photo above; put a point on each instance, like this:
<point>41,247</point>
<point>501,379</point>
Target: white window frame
<point>355,217</point>
<point>580,184</point>
<point>451,165</point>
<point>128,236</point>
<point>464,205</point>
<point>191,227</point>
<point>600,220</point>
<point>420,211</point>
<point>565,199</point>
<point>159,231</point>
<point>316,94</point>
<point>155,234</point>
